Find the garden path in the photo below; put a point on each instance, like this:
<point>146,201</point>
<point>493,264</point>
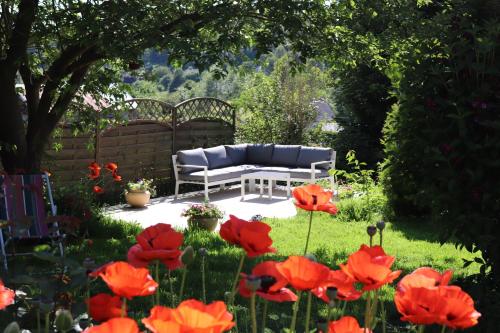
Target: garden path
<point>168,210</point>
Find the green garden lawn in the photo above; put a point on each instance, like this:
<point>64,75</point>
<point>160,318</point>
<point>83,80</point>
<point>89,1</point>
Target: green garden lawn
<point>331,242</point>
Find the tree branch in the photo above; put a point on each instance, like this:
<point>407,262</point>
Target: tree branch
<point>18,41</point>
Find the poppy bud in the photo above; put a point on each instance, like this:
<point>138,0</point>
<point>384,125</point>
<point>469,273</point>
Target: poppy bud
<point>252,283</point>
<point>322,325</point>
<point>203,251</point>
<point>331,292</point>
<point>63,321</point>
<point>187,255</point>
<point>311,257</point>
<point>371,230</point>
<point>380,225</point>
<point>12,328</point>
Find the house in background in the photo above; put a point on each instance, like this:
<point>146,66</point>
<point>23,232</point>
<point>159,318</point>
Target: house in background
<point>325,117</point>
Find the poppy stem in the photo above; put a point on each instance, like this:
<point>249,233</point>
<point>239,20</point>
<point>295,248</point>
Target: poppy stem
<point>421,329</point>
<point>183,282</point>
<point>171,284</point>
<point>38,322</point>
<point>308,310</point>
<point>253,313</point>
<point>203,280</point>
<point>373,310</point>
<point>329,314</point>
<point>124,307</point>
<point>264,316</point>
<point>236,278</point>
<point>47,322</point>
<point>367,309</point>
<point>344,306</point>
<point>384,317</point>
<point>309,231</point>
<point>443,329</point>
<point>295,311</point>
<point>157,278</point>
<point>381,237</point>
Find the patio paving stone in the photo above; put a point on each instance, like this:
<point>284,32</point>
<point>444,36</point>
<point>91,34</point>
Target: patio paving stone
<point>168,210</point>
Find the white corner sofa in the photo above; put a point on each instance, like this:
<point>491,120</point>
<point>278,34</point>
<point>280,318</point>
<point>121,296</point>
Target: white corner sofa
<point>226,164</point>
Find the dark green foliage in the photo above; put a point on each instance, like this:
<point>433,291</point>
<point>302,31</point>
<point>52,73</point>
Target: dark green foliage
<point>442,140</point>
<point>363,100</point>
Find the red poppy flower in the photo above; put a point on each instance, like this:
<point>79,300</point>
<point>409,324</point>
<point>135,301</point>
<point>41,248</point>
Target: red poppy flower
<point>272,283</point>
<point>158,242</point>
<point>424,277</point>
<point>6,296</point>
<point>420,306</point>
<point>302,273</point>
<point>97,189</point>
<point>459,312</point>
<point>190,316</point>
<point>313,197</point>
<point>122,325</point>
<point>95,170</point>
<point>253,237</point>
<point>127,281</point>
<point>116,176</point>
<point>96,272</point>
<point>344,285</point>
<point>103,307</point>
<point>371,267</point>
<point>111,167</point>
<point>346,324</point>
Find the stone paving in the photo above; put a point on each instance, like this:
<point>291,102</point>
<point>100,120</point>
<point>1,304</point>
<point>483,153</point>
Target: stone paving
<point>168,210</point>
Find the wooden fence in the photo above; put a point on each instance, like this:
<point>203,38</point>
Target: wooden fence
<point>143,140</point>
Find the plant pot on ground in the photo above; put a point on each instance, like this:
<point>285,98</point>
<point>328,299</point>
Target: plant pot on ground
<point>203,216</point>
<point>138,193</point>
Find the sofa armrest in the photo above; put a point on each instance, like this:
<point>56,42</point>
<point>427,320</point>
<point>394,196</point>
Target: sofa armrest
<point>203,167</point>
<point>313,167</point>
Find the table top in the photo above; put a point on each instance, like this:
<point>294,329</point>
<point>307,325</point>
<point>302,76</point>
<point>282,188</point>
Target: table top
<point>267,175</point>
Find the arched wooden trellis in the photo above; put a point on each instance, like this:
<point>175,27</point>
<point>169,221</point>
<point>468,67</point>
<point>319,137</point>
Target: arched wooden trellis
<point>143,134</point>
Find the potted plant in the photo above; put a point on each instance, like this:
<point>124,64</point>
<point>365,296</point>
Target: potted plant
<point>139,192</point>
<point>204,216</point>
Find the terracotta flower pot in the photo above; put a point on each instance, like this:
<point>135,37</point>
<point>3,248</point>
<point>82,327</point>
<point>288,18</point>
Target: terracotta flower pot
<point>207,223</point>
<point>137,199</point>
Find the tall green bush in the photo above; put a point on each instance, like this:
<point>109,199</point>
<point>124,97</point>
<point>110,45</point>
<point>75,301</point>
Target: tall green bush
<point>442,140</point>
<point>362,98</point>
<point>279,108</point>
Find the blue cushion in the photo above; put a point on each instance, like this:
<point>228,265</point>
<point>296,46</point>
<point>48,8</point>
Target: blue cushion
<point>237,153</point>
<point>217,157</point>
<point>192,157</point>
<point>260,153</point>
<point>285,155</point>
<point>309,155</point>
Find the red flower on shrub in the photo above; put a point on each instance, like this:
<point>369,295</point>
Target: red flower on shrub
<point>272,283</point>
<point>371,267</point>
<point>97,189</point>
<point>103,307</point>
<point>190,316</point>
<point>111,167</point>
<point>302,273</point>
<point>253,237</point>
<point>424,277</point>
<point>6,296</point>
<point>121,325</point>
<point>127,281</point>
<point>344,284</point>
<point>346,324</point>
<point>158,242</point>
<point>116,177</point>
<point>95,170</point>
<point>314,198</point>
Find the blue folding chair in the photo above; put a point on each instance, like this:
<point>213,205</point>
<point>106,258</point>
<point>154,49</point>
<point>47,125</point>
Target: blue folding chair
<point>23,213</point>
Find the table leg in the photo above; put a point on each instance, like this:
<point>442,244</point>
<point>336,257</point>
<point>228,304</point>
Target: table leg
<point>270,188</point>
<point>251,185</point>
<point>288,187</point>
<point>243,181</point>
<point>261,186</point>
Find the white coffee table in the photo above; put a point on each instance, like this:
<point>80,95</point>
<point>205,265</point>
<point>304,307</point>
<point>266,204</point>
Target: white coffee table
<point>263,176</point>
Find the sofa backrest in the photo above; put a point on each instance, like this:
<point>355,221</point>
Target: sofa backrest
<point>263,154</point>
<point>192,157</point>
<point>308,155</point>
<point>217,157</point>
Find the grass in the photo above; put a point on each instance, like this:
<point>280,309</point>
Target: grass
<point>332,240</point>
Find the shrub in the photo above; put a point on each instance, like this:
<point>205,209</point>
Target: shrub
<point>442,139</point>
